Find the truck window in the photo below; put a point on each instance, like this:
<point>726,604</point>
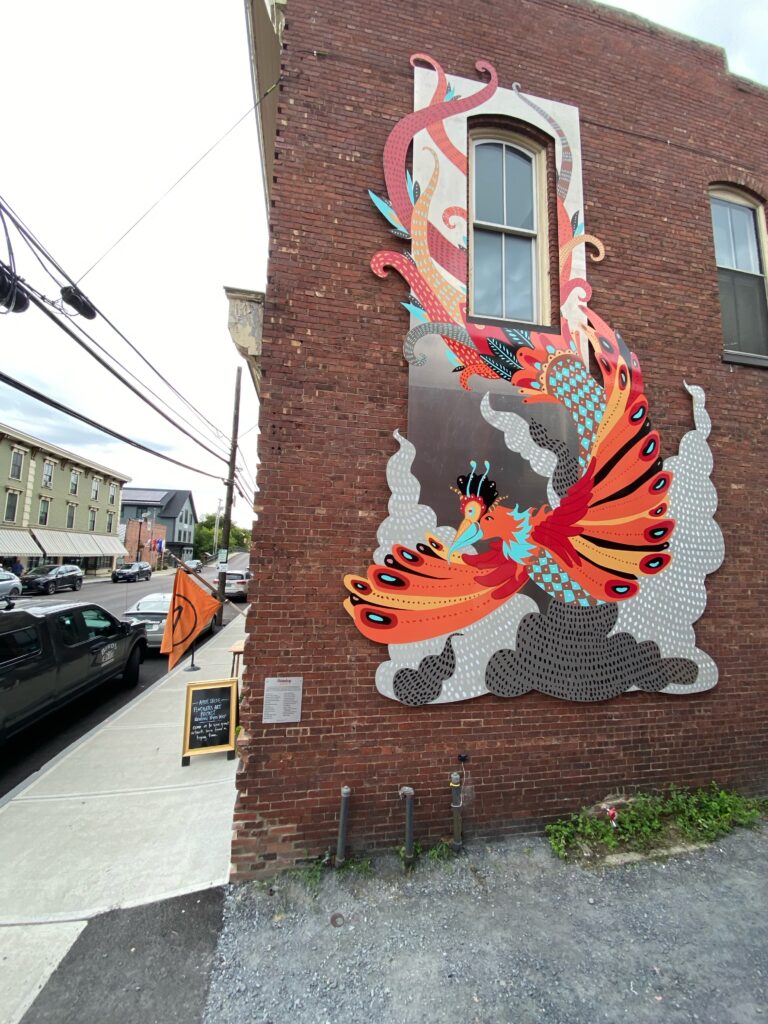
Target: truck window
<point>19,643</point>
<point>98,623</point>
<point>66,627</point>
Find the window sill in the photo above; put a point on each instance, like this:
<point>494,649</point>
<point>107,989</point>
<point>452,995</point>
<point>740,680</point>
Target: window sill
<point>520,325</point>
<point>745,358</point>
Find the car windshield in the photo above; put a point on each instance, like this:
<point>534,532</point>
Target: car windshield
<point>152,604</point>
<point>41,570</point>
<point>130,565</point>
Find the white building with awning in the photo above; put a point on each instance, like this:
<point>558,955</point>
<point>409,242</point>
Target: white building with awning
<point>57,506</point>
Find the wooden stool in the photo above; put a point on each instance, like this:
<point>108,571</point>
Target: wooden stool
<point>236,650</point>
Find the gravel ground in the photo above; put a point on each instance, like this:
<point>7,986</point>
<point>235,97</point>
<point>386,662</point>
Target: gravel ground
<point>505,934</point>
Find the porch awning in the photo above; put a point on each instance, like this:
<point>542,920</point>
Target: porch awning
<point>110,545</point>
<point>18,542</point>
<point>65,544</point>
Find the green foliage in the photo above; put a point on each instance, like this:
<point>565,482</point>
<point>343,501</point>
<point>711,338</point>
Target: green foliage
<point>653,821</point>
<point>311,874</point>
<point>440,853</point>
<point>239,537</point>
<point>416,853</point>
<point>362,866</point>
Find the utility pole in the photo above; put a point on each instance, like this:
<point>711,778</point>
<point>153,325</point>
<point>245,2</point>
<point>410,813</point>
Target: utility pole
<point>216,530</point>
<point>230,490</point>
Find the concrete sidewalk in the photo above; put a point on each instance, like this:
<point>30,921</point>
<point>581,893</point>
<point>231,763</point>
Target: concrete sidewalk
<point>112,822</point>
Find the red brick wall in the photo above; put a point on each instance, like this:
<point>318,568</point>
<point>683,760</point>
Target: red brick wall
<point>660,121</point>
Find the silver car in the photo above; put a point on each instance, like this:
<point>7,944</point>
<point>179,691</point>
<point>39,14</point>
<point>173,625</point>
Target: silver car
<point>152,610</point>
<point>10,585</point>
<point>236,585</point>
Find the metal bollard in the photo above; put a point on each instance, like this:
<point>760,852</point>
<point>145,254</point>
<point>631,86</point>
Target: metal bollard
<point>341,842</point>
<point>456,800</point>
<point>410,856</point>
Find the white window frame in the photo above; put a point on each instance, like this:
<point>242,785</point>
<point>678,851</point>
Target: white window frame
<point>95,488</point>
<point>735,196</point>
<point>112,493</point>
<point>8,494</point>
<point>110,521</point>
<point>542,304</point>
<point>92,513</point>
<point>47,465</point>
<point>71,507</point>
<point>74,478</point>
<point>47,503</point>
<point>14,453</point>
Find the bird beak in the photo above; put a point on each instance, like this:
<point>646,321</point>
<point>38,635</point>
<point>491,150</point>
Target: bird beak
<point>467,533</point>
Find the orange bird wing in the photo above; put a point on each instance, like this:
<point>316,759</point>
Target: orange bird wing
<point>419,594</point>
<point>612,528</point>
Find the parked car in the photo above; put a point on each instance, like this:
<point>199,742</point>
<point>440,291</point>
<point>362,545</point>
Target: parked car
<point>193,563</point>
<point>51,654</point>
<point>236,585</point>
<point>10,585</point>
<point>152,610</point>
<point>47,579</point>
<point>131,572</point>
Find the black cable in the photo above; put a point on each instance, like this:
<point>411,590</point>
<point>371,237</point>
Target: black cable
<point>34,243</point>
<point>40,303</point>
<point>32,393</point>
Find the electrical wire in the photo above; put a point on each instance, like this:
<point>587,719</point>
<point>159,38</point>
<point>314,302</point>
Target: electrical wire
<point>173,186</point>
<point>34,244</point>
<point>40,302</point>
<point>60,407</point>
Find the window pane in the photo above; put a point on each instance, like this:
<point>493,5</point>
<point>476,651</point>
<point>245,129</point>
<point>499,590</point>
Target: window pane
<point>518,278</point>
<point>489,198</point>
<point>744,312</point>
<point>519,189</point>
<point>721,226</point>
<point>487,273</point>
<point>744,239</point>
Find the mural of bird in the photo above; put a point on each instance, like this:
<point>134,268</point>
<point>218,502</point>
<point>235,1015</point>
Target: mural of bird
<point>610,530</point>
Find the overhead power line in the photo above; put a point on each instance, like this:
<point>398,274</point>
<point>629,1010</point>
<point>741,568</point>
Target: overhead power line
<point>60,407</point>
<point>38,301</point>
<point>179,180</point>
<point>36,247</point>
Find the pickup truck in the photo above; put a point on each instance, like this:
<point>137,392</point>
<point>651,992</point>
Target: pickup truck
<point>51,654</point>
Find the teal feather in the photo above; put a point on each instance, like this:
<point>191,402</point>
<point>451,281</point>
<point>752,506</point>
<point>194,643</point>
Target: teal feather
<point>386,210</point>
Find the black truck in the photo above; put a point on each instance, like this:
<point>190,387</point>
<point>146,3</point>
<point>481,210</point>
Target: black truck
<point>51,654</point>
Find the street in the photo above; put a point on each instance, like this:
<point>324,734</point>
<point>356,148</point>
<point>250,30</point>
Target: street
<point>30,750</point>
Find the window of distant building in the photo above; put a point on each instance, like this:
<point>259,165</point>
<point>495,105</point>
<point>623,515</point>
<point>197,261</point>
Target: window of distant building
<point>738,224</point>
<point>71,510</point>
<point>17,464</point>
<point>509,252</point>
<point>91,518</point>
<point>11,506</point>
<point>112,494</point>
<point>110,521</point>
<point>42,515</point>
<point>74,482</point>
<point>94,489</point>
<point>47,474</point>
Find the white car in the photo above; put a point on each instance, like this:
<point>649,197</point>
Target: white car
<point>152,610</point>
<point>10,585</point>
<point>236,585</point>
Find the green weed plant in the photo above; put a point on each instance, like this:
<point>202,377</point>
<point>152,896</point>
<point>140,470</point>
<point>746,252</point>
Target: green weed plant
<point>655,821</point>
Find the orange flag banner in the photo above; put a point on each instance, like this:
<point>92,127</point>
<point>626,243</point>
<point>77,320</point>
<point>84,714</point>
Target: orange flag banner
<point>190,612</point>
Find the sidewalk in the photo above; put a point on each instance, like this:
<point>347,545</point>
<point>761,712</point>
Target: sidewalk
<point>113,822</point>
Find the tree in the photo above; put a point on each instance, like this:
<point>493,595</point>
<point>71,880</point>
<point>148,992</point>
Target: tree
<point>239,538</point>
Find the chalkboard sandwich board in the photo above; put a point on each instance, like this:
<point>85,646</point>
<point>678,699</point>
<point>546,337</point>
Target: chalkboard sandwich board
<point>210,718</point>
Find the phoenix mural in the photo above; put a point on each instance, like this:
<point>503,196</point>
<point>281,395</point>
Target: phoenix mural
<point>583,595</point>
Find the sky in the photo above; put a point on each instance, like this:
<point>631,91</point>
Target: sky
<point>112,104</point>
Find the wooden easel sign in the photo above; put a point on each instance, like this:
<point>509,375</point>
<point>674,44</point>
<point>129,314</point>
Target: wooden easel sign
<point>210,718</point>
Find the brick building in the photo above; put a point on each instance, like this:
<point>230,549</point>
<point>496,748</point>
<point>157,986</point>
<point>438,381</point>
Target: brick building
<point>643,171</point>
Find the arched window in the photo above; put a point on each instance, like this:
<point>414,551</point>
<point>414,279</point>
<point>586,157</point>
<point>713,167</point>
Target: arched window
<point>509,272</point>
<point>738,225</point>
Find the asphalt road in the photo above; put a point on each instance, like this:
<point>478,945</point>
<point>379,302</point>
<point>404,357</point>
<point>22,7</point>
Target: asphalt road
<point>30,750</point>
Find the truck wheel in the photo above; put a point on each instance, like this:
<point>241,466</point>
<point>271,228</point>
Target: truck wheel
<point>50,588</point>
<point>131,671</point>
